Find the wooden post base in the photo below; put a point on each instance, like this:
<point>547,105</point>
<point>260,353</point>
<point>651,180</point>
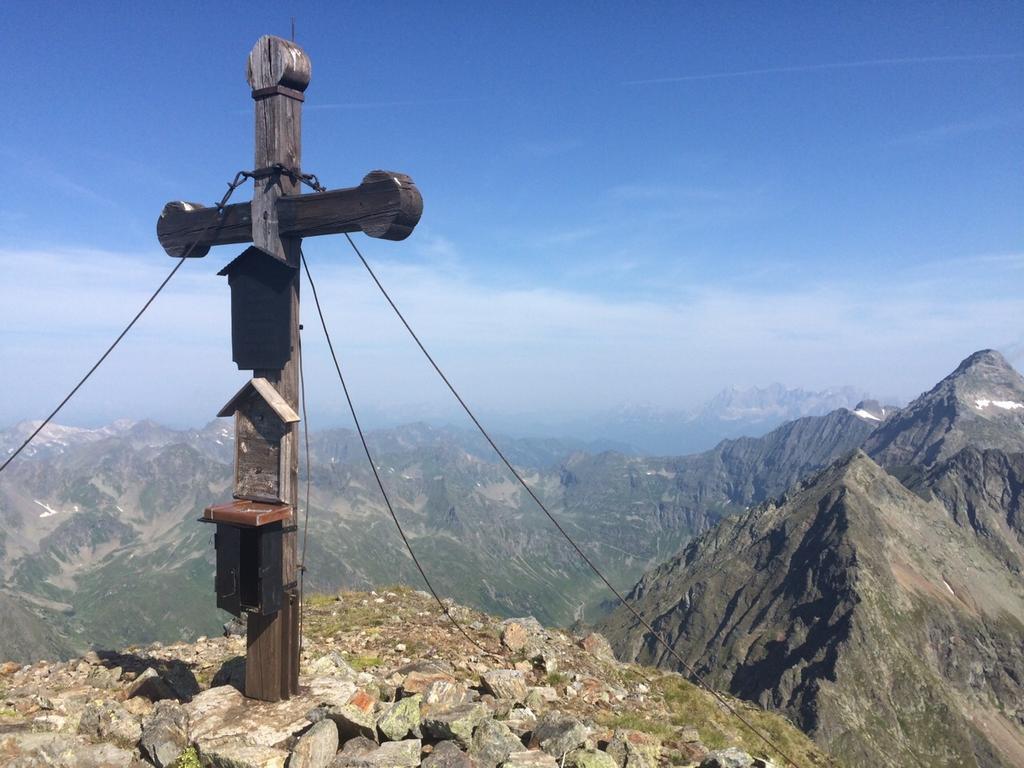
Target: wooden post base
<point>271,658</point>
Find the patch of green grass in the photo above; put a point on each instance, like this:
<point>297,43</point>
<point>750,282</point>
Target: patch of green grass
<point>318,601</point>
<point>636,722</point>
<point>328,616</point>
<point>555,679</point>
<point>8,712</point>
<point>188,759</point>
<point>689,705</point>
<point>359,663</point>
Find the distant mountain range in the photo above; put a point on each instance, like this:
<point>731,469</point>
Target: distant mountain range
<point>733,412</point>
<point>884,617</point>
<point>859,570</point>
<point>90,517</point>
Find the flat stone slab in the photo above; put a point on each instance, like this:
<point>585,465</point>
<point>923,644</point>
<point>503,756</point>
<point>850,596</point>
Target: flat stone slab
<point>530,759</point>
<point>233,754</point>
<point>223,714</point>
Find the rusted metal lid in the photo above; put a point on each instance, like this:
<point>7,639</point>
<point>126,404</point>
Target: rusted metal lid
<point>249,514</point>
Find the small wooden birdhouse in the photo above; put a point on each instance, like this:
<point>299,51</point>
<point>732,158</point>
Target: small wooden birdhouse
<point>264,442</point>
<point>261,310</point>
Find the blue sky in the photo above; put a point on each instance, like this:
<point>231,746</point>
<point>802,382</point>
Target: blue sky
<point>624,203</point>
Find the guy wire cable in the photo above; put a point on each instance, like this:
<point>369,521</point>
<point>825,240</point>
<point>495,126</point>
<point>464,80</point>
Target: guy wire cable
<point>376,474</point>
<point>232,186</point>
<point>515,473</point>
<point>305,518</point>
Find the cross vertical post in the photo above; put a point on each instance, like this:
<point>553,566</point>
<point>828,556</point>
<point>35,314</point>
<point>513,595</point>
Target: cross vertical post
<point>278,73</point>
<point>256,541</point>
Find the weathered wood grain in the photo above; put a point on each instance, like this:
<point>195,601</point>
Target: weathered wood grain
<point>259,466</point>
<point>274,61</point>
<point>263,657</point>
<point>385,205</point>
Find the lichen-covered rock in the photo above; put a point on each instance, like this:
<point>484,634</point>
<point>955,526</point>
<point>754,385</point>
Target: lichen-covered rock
<point>317,747</point>
<point>731,758</point>
<point>417,680</point>
<point>401,719</point>
<point>447,754</point>
<point>358,746</point>
<point>164,733</point>
<point>456,724</point>
<point>332,664</point>
<point>444,694</point>
<point>557,734</point>
<point>505,684</point>
<point>530,759</point>
<point>355,717</point>
<point>634,749</point>
<point>589,758</point>
<point>521,720</point>
<point>109,721</point>
<point>234,754</point>
<point>224,716</point>
<point>393,754</point>
<point>50,750</point>
<point>492,743</point>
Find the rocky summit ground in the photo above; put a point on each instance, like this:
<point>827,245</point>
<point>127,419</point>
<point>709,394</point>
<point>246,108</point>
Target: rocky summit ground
<point>387,682</point>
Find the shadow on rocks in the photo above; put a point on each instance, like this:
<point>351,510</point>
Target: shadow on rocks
<point>231,672</point>
<point>176,673</point>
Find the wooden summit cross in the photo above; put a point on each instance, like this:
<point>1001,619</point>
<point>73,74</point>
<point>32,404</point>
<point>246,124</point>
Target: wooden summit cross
<point>257,557</point>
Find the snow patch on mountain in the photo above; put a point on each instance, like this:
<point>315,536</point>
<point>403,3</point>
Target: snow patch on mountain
<point>1006,405</point>
<point>50,511</point>
<point>865,415</point>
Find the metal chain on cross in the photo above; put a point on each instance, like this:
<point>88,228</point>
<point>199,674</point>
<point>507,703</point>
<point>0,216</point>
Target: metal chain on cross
<point>309,179</point>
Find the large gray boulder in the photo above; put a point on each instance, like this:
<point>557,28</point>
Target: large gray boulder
<point>401,719</point>
<point>164,733</point>
<point>558,734</point>
<point>447,754</point>
<point>317,747</point>
<point>492,743</point>
<point>456,724</point>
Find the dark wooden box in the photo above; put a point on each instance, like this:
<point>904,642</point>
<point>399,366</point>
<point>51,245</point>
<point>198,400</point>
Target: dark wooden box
<point>248,576</point>
<point>261,310</point>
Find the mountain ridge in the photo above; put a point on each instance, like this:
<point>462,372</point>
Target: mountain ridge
<point>91,516</point>
<point>856,593</point>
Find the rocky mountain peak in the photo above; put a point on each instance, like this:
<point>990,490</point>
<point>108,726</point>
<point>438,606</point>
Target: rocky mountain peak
<point>984,360</point>
<point>981,404</point>
<point>386,683</point>
<point>872,410</point>
<point>985,374</point>
<point>850,577</point>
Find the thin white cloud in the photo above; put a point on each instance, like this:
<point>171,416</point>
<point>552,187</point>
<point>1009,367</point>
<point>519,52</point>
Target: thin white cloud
<point>939,134</point>
<point>536,349</point>
<point>827,66</point>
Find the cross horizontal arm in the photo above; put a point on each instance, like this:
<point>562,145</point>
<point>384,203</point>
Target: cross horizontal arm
<point>386,205</point>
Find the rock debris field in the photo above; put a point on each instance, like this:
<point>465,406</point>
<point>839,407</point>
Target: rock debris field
<point>387,682</point>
